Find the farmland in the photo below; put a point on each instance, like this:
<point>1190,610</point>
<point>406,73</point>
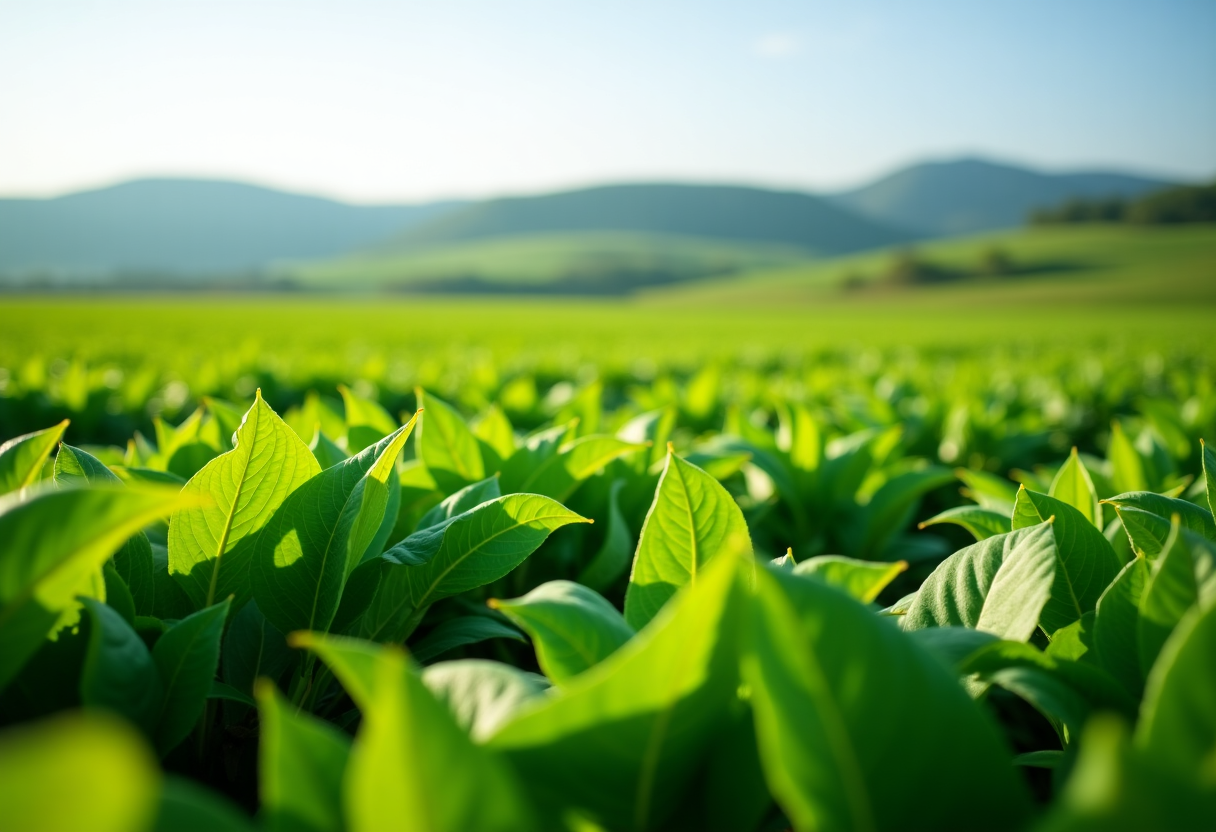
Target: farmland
<point>781,556</point>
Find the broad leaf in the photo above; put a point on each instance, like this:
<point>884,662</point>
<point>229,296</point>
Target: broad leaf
<point>573,627</point>
<point>186,657</point>
<point>326,452</point>
<point>861,579</point>
<point>366,421</point>
<point>1127,467</point>
<point>692,519</point>
<point>839,696</point>
<point>1209,474</point>
<point>1183,574</point>
<point>983,523</point>
<point>1000,585</point>
<point>210,548</point>
<point>186,806</point>
<point>446,445</point>
<point>253,648</point>
<point>1085,561</point>
<point>22,458</point>
<point>1072,485</point>
<point>119,674</point>
<point>459,632</point>
<point>482,695</point>
<point>892,506</point>
<point>611,561</point>
<point>470,550</point>
<point>319,535</point>
<point>77,772</point>
<point>52,548</point>
<point>1117,624</point>
<point>558,475</point>
<point>411,767</point>
<point>301,763</point>
<point>1146,531</point>
<point>461,501</point>
<point>1193,517</point>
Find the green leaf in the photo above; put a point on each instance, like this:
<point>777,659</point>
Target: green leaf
<point>983,523</point>
<point>186,657</point>
<point>319,535</point>
<point>1117,623</point>
<point>366,421</point>
<point>22,458</point>
<point>559,474</point>
<point>253,648</point>
<point>892,506</point>
<point>223,690</point>
<point>573,627</point>
<point>119,674</point>
<point>624,742</point>
<point>692,519</point>
<point>301,763</point>
<point>1178,720</point>
<point>1209,474</point>
<point>861,579</point>
<point>411,767</point>
<point>52,548</point>
<point>611,561</point>
<point>118,595</point>
<point>482,695</point>
<point>1000,585</point>
<point>446,445</point>
<point>210,548</point>
<point>990,491</point>
<point>1127,466</point>
<point>458,632</point>
<point>185,806</point>
<point>835,690</point>
<point>1072,485</point>
<point>112,777</point>
<point>1085,561</point>
<point>461,501</point>
<point>470,550</point>
<point>326,452</point>
<point>1184,572</point>
<point>495,434</point>
<point>1147,532</point>
<point>537,451</point>
<point>227,416</point>
<point>133,562</point>
<point>1193,517</point>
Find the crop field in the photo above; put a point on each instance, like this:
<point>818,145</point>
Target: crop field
<point>875,559</point>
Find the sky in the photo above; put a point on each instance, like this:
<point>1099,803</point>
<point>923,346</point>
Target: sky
<point>372,101</point>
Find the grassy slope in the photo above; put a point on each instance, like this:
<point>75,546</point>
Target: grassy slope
<point>539,259</point>
<point>1081,264</point>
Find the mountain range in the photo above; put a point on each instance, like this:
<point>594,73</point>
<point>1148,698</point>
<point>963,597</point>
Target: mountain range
<point>199,228</point>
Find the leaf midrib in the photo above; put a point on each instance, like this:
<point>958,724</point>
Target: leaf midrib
<point>231,514</point>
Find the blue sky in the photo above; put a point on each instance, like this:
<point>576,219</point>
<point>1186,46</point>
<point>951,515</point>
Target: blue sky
<point>377,101</point>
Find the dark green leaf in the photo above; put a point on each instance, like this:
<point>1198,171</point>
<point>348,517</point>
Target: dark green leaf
<point>186,657</point>
<point>119,673</point>
<point>458,632</point>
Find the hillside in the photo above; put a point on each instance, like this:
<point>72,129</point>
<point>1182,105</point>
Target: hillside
<point>970,195</point>
<point>716,212</point>
<point>185,226</point>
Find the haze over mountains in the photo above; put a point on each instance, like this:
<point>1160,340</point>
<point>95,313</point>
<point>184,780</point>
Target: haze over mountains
<point>179,227</point>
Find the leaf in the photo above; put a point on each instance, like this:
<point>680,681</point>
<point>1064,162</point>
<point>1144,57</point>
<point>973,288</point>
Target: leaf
<point>319,535</point>
<point>495,434</point>
<point>1209,474</point>
<point>1172,589</point>
<point>1193,517</point>
<point>624,742</point>
<point>691,520</point>
<point>227,416</point>
<point>301,763</point>
<point>573,627</point>
<point>366,421</point>
<point>1116,626</point>
<point>1073,486</point>
<point>117,594</point>
<point>446,445</point>
<point>482,695</point>
<point>558,475</point>
<point>611,561</point>
<point>119,674</point>
<point>537,451</point>
<point>458,632</point>
<point>891,507</point>
<point>411,767</point>
<point>112,777</point>
<point>210,547</point>
<point>22,458</point>
<point>983,523</point>
<point>133,562</point>
<point>324,451</point>
<point>1178,719</point>
<point>1085,561</point>
<point>51,545</point>
<point>472,549</point>
<point>1000,585</point>
<point>461,501</point>
<point>990,491</point>
<point>223,690</point>
<point>860,579</point>
<point>185,806</point>
<point>1147,532</point>
<point>838,694</point>
<point>253,648</point>
<point>1127,467</point>
<point>186,657</point>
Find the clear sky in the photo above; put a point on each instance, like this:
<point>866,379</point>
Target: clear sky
<point>403,101</point>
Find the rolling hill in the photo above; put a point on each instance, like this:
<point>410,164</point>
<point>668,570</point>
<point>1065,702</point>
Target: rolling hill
<point>184,227</point>
<point>968,195</point>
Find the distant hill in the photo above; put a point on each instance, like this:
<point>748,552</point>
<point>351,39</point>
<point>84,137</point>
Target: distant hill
<point>186,226</point>
<point>969,195</point>
<point>706,211</point>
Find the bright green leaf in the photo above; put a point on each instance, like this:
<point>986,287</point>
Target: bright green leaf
<point>983,523</point>
<point>22,458</point>
<point>446,445</point>
<point>1072,485</point>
